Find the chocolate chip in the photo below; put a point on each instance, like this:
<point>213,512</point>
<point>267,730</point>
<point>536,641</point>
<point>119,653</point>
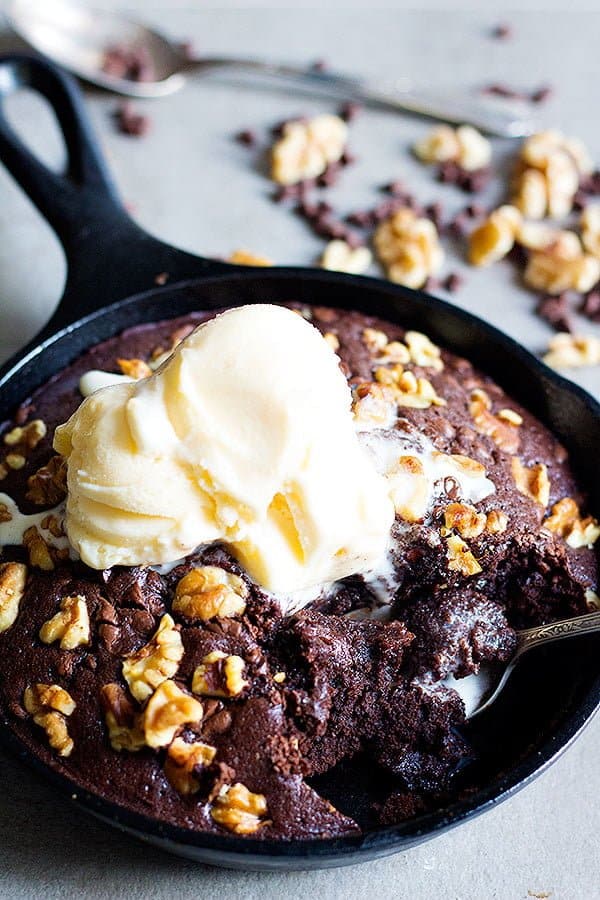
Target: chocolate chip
<point>128,61</point>
<point>590,306</point>
<point>131,122</point>
<point>541,94</point>
<point>247,137</point>
<point>502,32</point>
<point>590,184</point>
<point>453,282</point>
<point>435,212</point>
<point>349,111</point>
<point>497,89</point>
<point>555,311</point>
<point>220,722</point>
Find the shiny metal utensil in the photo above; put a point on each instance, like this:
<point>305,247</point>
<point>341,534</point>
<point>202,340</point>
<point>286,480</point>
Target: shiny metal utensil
<point>529,638</point>
<point>78,38</point>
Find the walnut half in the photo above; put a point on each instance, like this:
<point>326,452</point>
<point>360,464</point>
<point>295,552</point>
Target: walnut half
<point>208,592</point>
<point>239,810</point>
<point>156,661</point>
<point>183,760</point>
<point>122,720</point>
<point>219,675</point>
<point>70,626</point>
<point>49,704</point>
<point>168,709</point>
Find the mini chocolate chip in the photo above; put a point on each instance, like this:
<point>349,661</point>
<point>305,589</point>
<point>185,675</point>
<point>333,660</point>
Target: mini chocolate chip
<point>590,306</point>
<point>555,311</point>
<point>131,122</point>
<point>541,94</point>
<point>502,32</point>
<point>453,282</point>
<point>349,111</point>
<point>247,137</point>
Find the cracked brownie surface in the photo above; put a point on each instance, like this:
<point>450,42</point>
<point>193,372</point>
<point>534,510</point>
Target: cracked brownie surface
<point>185,694</point>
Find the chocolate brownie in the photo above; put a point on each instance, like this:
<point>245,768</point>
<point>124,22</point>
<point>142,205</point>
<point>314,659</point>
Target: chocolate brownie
<point>187,693</point>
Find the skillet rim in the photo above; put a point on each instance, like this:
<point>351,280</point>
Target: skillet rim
<point>372,842</point>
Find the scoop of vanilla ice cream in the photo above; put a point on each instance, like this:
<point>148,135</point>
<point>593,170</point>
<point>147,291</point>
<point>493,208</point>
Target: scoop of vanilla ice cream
<point>244,435</point>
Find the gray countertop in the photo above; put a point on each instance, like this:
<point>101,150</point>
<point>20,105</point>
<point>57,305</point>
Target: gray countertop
<point>192,185</point>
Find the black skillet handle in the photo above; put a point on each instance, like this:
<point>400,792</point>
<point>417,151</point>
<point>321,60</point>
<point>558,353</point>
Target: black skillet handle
<point>109,257</point>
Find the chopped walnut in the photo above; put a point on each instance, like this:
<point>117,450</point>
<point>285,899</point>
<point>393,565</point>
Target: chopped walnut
<point>122,719</point>
<point>5,513</point>
<point>409,248</point>
<point>590,229</point>
<point>168,709</point>
<point>208,592</point>
<point>463,145</point>
<point>496,522</point>
<point>48,704</point>
<point>376,341</point>
<point>460,558</point>
<point>332,339</point>
<point>305,149</point>
<point>48,486</point>
<point>439,145</point>
<point>183,760</point>
<point>219,675</point>
<point>339,256</point>
<point>565,520</point>
<point>12,587</point>
<point>423,352</point>
<point>408,390</point>
<point>26,436</point>
<point>532,481</point>
<point>503,432</point>
<point>38,550</point>
<point>566,351</point>
<point>464,518</point>
<point>495,237</point>
<point>156,661</point>
<point>134,368</point>
<point>373,406</point>
<point>529,193</point>
<point>541,236</point>
<point>549,270</point>
<point>548,174</point>
<point>246,258</point>
<point>511,416</point>
<point>70,626</point>
<point>239,810</point>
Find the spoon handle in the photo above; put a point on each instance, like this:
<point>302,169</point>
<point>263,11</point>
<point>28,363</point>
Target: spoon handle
<point>556,631</point>
<point>396,94</point>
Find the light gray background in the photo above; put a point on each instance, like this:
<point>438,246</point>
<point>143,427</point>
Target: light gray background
<point>191,184</point>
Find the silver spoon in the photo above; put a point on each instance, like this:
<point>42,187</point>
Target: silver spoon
<point>535,637</point>
<point>78,38</point>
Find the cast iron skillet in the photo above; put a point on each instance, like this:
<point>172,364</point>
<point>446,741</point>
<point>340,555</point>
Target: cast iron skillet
<point>112,265</point>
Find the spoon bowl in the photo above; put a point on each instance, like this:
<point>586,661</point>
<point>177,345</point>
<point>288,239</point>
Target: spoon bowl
<point>78,39</point>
